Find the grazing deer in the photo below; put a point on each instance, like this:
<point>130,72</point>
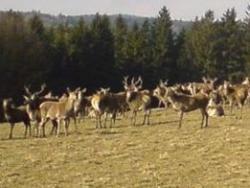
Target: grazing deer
<point>15,115</point>
<point>137,100</point>
<point>236,94</point>
<point>186,103</point>
<point>58,111</point>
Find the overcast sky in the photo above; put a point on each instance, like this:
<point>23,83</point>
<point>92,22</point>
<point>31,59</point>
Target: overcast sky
<point>179,9</point>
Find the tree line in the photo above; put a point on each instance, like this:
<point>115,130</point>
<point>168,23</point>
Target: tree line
<point>98,54</point>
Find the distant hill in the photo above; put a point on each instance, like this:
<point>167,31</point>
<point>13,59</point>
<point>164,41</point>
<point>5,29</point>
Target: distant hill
<point>52,20</point>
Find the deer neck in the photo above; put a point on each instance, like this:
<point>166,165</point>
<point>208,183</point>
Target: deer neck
<point>69,104</point>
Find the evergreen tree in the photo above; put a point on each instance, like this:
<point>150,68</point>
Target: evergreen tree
<point>229,47</point>
<point>120,39</point>
<point>163,45</point>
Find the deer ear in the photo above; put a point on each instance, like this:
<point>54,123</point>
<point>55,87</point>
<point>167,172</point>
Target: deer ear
<point>204,79</point>
<point>84,90</point>
<point>68,90</point>
<point>78,89</point>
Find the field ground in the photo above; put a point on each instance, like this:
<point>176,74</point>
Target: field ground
<point>159,155</point>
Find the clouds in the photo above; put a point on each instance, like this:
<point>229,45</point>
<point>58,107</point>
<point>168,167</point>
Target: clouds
<point>179,9</point>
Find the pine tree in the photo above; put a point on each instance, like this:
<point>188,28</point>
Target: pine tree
<point>120,39</point>
<point>230,46</point>
<point>163,45</point>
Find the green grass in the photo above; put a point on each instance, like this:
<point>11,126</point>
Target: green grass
<point>159,155</point>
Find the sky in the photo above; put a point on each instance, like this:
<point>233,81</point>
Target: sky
<point>179,9</point>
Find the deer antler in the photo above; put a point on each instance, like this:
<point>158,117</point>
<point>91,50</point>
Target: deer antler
<point>139,82</point>
<point>204,79</point>
<point>163,84</point>
<point>133,81</point>
<point>125,80</point>
<point>43,86</point>
<point>27,90</point>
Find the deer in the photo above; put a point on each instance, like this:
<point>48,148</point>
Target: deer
<point>137,99</point>
<point>15,115</point>
<point>105,102</point>
<point>32,101</point>
<point>214,107</point>
<point>80,104</point>
<point>160,91</point>
<point>236,94</point>
<point>59,111</point>
<point>206,86</point>
<point>186,103</point>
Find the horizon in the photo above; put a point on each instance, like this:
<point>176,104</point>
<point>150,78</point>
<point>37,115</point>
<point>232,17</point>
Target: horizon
<point>186,11</point>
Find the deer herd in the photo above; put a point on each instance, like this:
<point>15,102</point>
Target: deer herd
<point>209,96</point>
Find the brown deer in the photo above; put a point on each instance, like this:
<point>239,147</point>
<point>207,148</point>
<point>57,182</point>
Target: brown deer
<point>15,115</point>
<point>32,102</point>
<point>186,103</point>
<point>214,107</point>
<point>137,100</point>
<point>161,90</point>
<point>236,94</point>
<point>58,111</point>
<point>105,102</point>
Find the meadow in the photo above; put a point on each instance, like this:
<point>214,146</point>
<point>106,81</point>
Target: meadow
<point>158,155</point>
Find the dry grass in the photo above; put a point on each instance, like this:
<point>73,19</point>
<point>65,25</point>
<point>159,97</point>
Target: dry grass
<point>159,155</point>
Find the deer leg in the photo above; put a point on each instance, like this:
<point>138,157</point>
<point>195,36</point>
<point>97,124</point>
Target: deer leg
<point>144,118</point>
<point>132,117</point>
<point>11,130</point>
<point>75,123</point>
<point>135,114</point>
<point>58,127</point>
<point>180,120</point>
<point>105,119</point>
<point>113,119</point>
<point>40,128</point>
<point>100,120</point>
<point>206,116</point>
<point>54,127</point>
<point>36,128</point>
<point>44,130</point>
<point>97,121</point>
<point>231,107</point>
<point>26,130</point>
<point>203,116</point>
<point>148,114</point>
<point>29,129</point>
<point>241,110</point>
<point>65,122</point>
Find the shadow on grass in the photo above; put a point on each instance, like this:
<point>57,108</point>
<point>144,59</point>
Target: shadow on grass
<point>15,138</point>
<point>109,132</point>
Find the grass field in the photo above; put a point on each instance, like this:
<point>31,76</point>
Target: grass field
<point>159,155</point>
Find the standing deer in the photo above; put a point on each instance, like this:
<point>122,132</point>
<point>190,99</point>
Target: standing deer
<point>186,103</point>
<point>104,102</point>
<point>32,102</point>
<point>80,104</point>
<point>15,115</point>
<point>137,100</point>
<point>236,94</point>
<point>58,111</point>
